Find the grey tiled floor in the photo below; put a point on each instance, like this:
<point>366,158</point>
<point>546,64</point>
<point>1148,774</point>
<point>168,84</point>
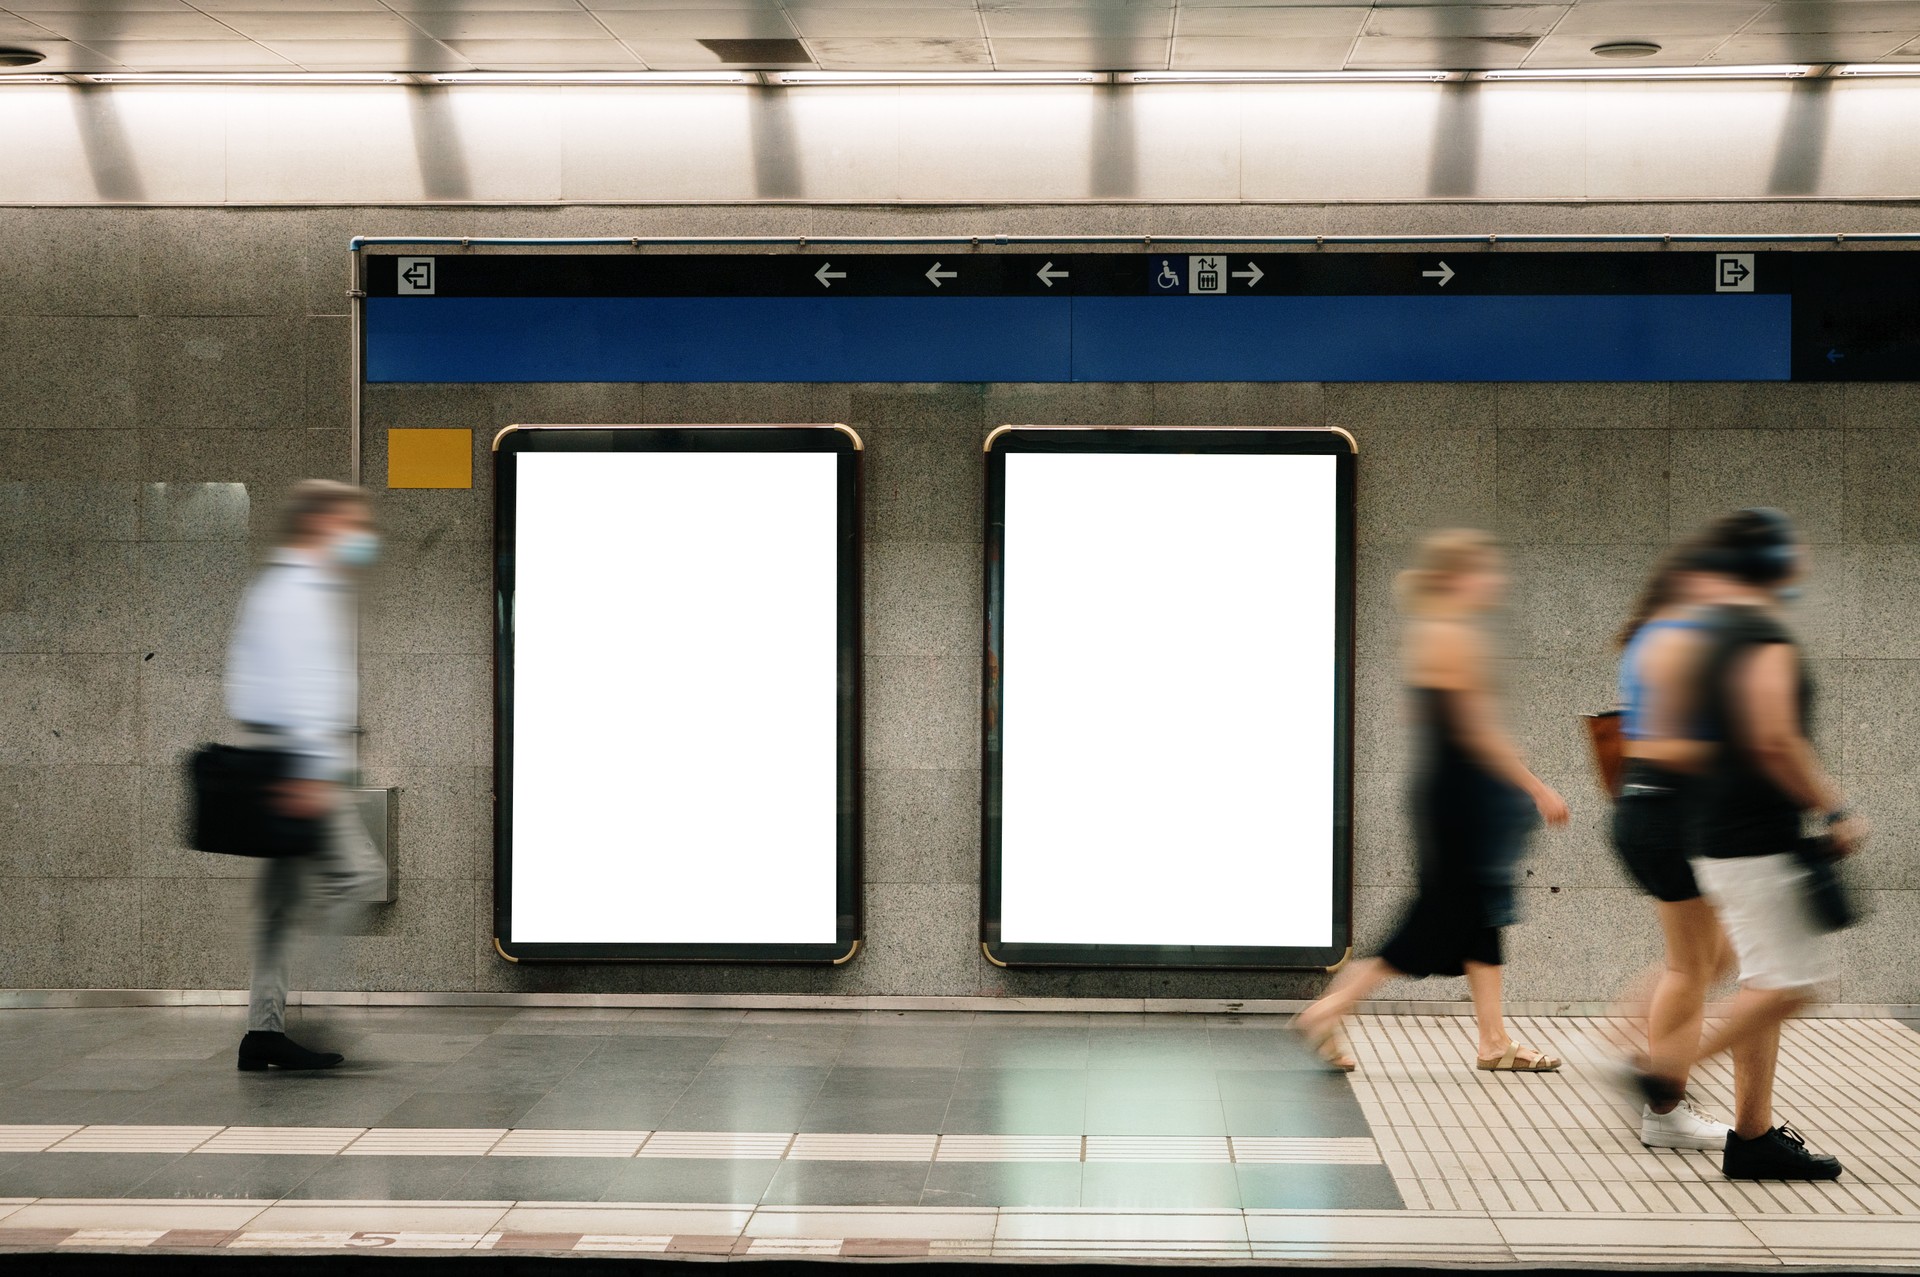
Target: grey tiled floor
<point>1013,1074</point>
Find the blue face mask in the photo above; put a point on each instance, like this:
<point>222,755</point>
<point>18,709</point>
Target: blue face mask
<point>356,550</point>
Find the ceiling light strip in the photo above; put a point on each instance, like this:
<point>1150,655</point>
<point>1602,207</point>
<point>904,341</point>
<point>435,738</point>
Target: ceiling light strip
<point>297,78</point>
<point>1287,77</point>
<point>595,77</point>
<point>798,79</point>
<point>1781,72</point>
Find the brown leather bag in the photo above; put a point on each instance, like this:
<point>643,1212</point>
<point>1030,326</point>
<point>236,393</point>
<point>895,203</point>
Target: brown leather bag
<point>1603,731</point>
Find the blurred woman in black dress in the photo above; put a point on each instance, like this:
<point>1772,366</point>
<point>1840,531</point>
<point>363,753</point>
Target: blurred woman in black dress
<point>1473,804</point>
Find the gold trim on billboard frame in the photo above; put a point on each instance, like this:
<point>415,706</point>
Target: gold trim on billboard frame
<point>1345,958</point>
<point>848,956</point>
<point>501,950</point>
<point>1353,445</point>
<point>859,445</point>
<point>988,955</point>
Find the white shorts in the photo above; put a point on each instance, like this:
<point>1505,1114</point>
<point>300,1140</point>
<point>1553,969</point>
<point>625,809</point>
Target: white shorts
<point>1761,901</point>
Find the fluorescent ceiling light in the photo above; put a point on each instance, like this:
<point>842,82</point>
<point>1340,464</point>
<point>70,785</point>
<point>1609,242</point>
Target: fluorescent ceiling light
<point>32,79</point>
<point>1878,68</point>
<point>1285,77</point>
<point>594,77</point>
<point>242,77</point>
<point>1651,73</point>
<point>797,78</point>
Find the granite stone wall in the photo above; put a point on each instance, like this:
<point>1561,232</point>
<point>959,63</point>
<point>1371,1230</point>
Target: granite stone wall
<point>167,372</point>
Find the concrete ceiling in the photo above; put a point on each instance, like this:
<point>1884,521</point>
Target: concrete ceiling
<point>940,35</point>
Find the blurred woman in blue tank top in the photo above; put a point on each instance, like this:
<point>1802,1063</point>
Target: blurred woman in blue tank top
<point>1661,647</point>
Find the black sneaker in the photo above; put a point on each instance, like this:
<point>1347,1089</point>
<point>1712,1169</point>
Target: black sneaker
<point>1779,1154</point>
<point>261,1050</point>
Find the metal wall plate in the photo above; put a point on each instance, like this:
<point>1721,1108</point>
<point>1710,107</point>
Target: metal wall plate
<point>379,813</point>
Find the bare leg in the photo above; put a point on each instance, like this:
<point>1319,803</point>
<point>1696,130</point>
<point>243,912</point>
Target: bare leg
<point>1677,1010</point>
<point>1483,982</point>
<point>1754,1017</point>
<point>1754,1061</point>
<point>1353,983</point>
<point>1752,1013</point>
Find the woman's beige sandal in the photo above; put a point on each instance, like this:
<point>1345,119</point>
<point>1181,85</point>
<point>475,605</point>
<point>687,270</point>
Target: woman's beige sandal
<point>1336,1054</point>
<point>1331,1046</point>
<point>1520,1059</point>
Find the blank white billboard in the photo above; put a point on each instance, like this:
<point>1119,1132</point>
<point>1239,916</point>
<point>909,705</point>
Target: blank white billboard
<point>1167,699</point>
<point>674,698</point>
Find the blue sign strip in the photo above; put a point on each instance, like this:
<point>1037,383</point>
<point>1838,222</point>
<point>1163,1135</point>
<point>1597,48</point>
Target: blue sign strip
<point>1675,337</point>
<point>1727,337</point>
<point>718,339</point>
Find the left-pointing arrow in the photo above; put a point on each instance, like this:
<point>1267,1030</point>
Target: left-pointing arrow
<point>935,274</point>
<point>826,276</point>
<point>1047,274</point>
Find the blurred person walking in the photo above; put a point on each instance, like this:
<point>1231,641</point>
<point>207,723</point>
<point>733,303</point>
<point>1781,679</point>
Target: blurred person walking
<point>1755,698</point>
<point>290,686</point>
<point>1473,806</point>
<point>1665,747</point>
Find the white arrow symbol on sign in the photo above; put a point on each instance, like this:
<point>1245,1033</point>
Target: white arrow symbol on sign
<point>1444,274</point>
<point>935,274</point>
<point>825,276</point>
<point>1252,274</point>
<point>1048,274</point>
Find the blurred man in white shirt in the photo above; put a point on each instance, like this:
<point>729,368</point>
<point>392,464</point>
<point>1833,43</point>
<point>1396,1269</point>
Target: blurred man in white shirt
<point>290,685</point>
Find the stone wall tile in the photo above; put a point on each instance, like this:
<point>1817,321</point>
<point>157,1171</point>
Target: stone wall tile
<point>1583,487</point>
<point>922,825</point>
<point>1798,471</point>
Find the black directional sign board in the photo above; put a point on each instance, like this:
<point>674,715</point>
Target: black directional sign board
<point>1835,313</point>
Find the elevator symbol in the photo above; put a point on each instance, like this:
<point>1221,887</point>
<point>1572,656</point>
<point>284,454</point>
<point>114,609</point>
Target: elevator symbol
<point>1206,274</point>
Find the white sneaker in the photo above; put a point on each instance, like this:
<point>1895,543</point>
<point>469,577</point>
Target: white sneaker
<point>1683,1126</point>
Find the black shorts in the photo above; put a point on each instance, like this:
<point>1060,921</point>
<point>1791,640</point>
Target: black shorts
<point>1649,833</point>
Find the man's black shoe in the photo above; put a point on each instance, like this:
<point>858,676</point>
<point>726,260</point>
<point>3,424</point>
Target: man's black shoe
<point>1779,1154</point>
<point>260,1050</point>
<point>1660,1093</point>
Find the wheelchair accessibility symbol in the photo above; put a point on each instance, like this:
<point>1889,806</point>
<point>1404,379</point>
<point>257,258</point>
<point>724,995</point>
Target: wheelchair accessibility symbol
<point>1168,277</point>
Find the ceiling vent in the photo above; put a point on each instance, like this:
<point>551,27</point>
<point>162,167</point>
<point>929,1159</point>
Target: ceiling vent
<point>763,54</point>
<point>20,58</point>
<point>1626,49</point>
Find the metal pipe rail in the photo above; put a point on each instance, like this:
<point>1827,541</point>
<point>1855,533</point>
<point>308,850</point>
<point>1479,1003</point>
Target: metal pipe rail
<point>360,242</point>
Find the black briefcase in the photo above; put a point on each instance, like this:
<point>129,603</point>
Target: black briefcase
<point>231,811</point>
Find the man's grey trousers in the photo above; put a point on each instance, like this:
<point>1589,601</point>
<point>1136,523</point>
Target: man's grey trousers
<point>318,890</point>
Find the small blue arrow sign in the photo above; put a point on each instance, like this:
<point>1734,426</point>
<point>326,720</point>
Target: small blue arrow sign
<point>1834,356</point>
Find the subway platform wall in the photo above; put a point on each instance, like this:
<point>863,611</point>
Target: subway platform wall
<point>166,371</point>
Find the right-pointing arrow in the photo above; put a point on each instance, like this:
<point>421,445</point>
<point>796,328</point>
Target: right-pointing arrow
<point>1048,274</point>
<point>1252,274</point>
<point>1444,274</point>
<point>826,277</point>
